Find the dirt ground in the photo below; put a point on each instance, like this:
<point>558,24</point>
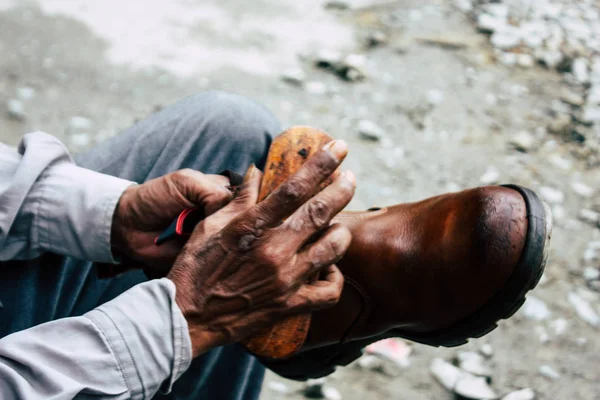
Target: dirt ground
<point>449,113</point>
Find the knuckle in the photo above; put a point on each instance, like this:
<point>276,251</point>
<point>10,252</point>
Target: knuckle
<point>318,212</point>
<point>293,191</point>
<point>270,255</point>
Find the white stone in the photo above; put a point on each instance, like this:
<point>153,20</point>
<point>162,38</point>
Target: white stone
<point>525,60</point>
<point>580,70</point>
<point>491,99</point>
<point>331,393</point>
<point>589,216</point>
<point>583,309</point>
<point>315,87</point>
<point>369,130</point>
<point>535,309</point>
<point>506,39</point>
<point>474,387</point>
<point>523,141</point>
<point>435,97</point>
<point>497,10</point>
<point>26,93</point>
<point>78,124</point>
<point>490,176</point>
<point>464,5</point>
<point>487,350</point>
<point>549,372</point>
<point>591,113</point>
<point>278,387</point>
<point>523,394</point>
<point>295,76</point>
<point>550,57</point>
<point>552,195</point>
<point>490,23</point>
<point>559,326</point>
<point>445,373</point>
<point>582,189</point>
<point>16,110</point>
<point>560,162</point>
<point>591,274</point>
<point>473,363</point>
<point>506,58</point>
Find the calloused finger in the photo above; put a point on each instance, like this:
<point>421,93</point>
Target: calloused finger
<point>316,214</point>
<point>301,186</point>
<point>323,293</point>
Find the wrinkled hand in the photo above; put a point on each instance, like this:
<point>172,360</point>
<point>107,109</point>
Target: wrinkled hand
<point>145,210</point>
<point>256,270</point>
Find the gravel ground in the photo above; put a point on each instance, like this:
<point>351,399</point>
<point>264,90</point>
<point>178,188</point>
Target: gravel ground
<point>447,113</point>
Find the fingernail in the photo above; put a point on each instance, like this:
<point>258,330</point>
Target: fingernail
<point>350,177</point>
<point>250,173</point>
<point>337,148</point>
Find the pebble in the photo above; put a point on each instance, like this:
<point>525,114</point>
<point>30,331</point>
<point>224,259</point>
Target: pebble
<point>26,93</point>
<point>16,110</point>
<point>572,98</point>
<point>445,373</point>
<point>316,389</point>
<point>486,350</point>
<point>590,217</point>
<point>559,326</point>
<point>535,309</point>
<point>552,195</point>
<point>591,114</point>
<point>295,76</point>
<point>435,97</point>
<point>369,130</point>
<point>560,162</point>
<point>591,274</point>
<point>490,176</point>
<point>523,141</point>
<point>376,38</point>
<point>474,387</point>
<point>490,23</point>
<point>523,394</point>
<point>542,334</point>
<point>525,60</point>
<point>497,10</point>
<point>560,124</point>
<point>473,363</point>
<point>582,189</point>
<point>584,309</point>
<point>78,124</point>
<point>507,59</point>
<point>580,70</point>
<point>315,87</point>
<point>506,38</point>
<point>336,5</point>
<point>549,372</point>
<point>278,387</point>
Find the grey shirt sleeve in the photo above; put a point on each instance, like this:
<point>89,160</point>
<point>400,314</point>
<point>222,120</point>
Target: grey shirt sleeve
<point>128,348</point>
<point>47,203</point>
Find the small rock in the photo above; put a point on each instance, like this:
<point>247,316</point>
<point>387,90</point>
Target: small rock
<point>523,141</point>
<point>278,387</point>
<point>552,195</point>
<point>580,70</point>
<point>392,349</point>
<point>474,387</point>
<point>506,38</point>
<point>572,98</point>
<point>507,59</point>
<point>369,130</point>
<point>376,38</point>
<point>489,23</point>
<point>490,176</point>
<point>497,10</point>
<point>583,309</point>
<point>550,58</point>
<point>590,217</point>
<point>525,60</point>
<point>560,162</point>
<point>26,93</point>
<point>445,373</point>
<point>435,97</point>
<point>559,326</point>
<point>535,309</point>
<point>473,363</point>
<point>16,110</point>
<point>370,362</point>
<point>523,394</point>
<point>315,87</point>
<point>295,76</point>
<point>582,189</point>
<point>591,274</point>
<point>548,372</point>
<point>486,350</point>
<point>79,124</point>
<point>336,5</point>
<point>594,95</point>
<point>464,5</point>
<point>591,114</point>
<point>331,393</point>
<point>542,334</point>
<point>316,389</point>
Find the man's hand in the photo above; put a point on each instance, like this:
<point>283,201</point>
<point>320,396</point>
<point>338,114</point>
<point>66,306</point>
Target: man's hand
<point>146,210</point>
<point>236,279</point>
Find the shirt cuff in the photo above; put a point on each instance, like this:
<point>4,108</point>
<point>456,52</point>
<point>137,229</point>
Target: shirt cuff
<point>83,228</point>
<point>148,335</point>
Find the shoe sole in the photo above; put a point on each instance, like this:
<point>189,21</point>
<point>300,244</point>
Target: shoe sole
<point>323,361</point>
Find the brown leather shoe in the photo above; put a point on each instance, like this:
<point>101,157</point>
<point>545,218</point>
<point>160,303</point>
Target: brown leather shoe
<point>438,271</point>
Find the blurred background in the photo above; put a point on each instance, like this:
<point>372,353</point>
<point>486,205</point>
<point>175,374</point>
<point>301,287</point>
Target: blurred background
<point>432,96</point>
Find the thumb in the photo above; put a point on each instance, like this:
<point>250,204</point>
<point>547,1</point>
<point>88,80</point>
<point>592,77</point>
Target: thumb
<point>210,192</point>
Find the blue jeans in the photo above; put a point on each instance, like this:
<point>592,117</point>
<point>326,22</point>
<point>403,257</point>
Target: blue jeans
<point>208,132</point>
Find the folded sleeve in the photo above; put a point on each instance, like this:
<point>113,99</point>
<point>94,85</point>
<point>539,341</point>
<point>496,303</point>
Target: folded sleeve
<point>129,348</point>
<point>47,203</point>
